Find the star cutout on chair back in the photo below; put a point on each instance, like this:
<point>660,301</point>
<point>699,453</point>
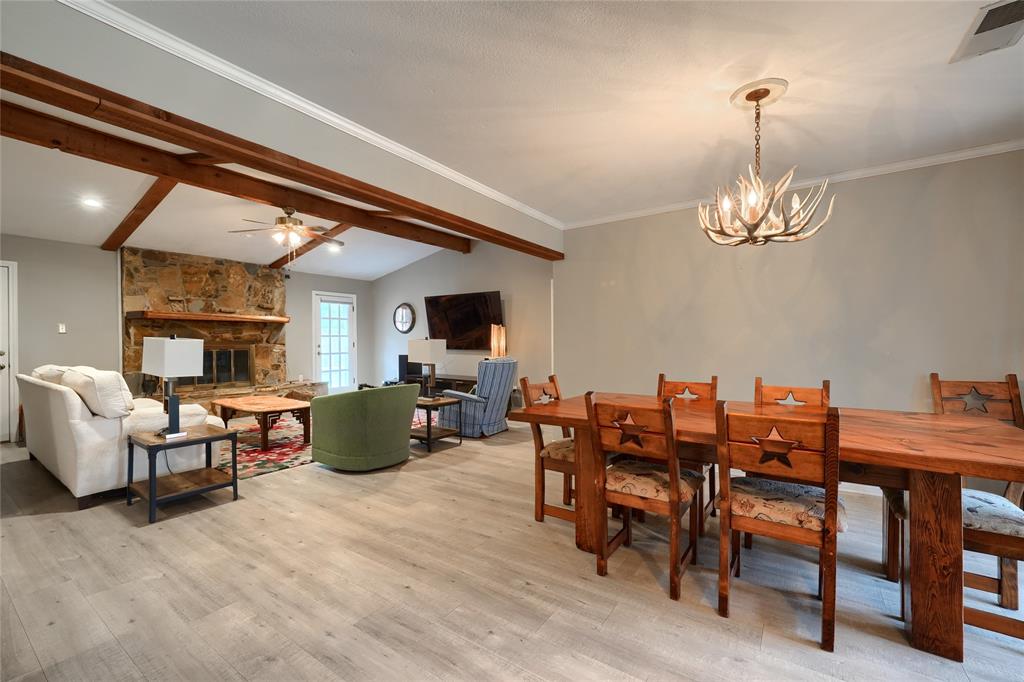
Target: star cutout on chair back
<point>686,395</point>
<point>790,400</point>
<point>544,398</point>
<point>975,400</point>
<point>630,430</point>
<point>775,448</point>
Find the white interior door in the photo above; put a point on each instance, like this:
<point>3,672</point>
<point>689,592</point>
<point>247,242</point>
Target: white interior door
<point>6,376</point>
<point>334,338</point>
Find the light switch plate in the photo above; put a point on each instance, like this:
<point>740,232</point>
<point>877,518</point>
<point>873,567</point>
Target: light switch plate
<point>62,328</point>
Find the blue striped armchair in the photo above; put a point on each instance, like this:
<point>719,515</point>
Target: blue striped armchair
<point>483,410</point>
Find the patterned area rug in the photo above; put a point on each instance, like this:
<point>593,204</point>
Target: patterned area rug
<point>419,418</point>
<point>286,448</point>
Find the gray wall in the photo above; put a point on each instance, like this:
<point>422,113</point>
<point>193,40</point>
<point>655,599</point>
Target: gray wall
<point>299,288</point>
<point>69,283</point>
<point>917,271</point>
<point>524,282</point>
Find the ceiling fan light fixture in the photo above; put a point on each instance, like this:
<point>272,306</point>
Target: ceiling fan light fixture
<point>294,239</point>
<point>334,248</point>
<point>278,237</point>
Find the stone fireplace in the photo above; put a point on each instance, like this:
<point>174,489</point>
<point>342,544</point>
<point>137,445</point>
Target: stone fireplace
<point>238,309</point>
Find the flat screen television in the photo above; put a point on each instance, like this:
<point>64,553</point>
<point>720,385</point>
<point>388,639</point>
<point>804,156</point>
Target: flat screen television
<point>464,320</point>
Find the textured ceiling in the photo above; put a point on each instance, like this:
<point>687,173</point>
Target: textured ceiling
<point>585,111</point>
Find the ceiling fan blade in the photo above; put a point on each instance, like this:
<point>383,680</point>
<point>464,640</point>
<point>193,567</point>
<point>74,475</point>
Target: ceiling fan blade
<point>257,229</point>
<point>326,240</point>
<point>258,222</point>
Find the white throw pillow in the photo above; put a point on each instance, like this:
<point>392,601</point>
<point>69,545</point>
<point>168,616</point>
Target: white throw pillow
<point>51,373</point>
<point>103,391</point>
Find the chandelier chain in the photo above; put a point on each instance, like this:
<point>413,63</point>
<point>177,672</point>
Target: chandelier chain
<point>757,139</point>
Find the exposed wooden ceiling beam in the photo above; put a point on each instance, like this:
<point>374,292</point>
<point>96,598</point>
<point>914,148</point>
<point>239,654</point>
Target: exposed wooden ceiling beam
<point>309,246</point>
<point>58,89</point>
<point>32,126</point>
<point>160,188</point>
<point>200,159</point>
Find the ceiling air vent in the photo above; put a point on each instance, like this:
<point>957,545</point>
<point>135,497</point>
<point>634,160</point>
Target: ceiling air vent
<point>996,26</point>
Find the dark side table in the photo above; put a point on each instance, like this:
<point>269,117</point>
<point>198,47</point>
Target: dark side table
<point>188,483</point>
<point>429,433</point>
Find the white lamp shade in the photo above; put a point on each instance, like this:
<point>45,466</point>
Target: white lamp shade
<point>428,351</point>
<point>164,357</point>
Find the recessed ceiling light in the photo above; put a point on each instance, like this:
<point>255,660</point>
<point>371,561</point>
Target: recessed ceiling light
<point>92,202</point>
<point>334,248</point>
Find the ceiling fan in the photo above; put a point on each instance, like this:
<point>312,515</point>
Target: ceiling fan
<point>290,231</point>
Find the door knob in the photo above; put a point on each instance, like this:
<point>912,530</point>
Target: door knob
<point>3,367</point>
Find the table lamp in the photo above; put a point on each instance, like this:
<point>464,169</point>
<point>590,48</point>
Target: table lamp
<point>428,352</point>
<point>171,358</point>
<point>498,349</point>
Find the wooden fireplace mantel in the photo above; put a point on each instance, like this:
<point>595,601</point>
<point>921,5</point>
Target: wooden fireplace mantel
<point>203,317</point>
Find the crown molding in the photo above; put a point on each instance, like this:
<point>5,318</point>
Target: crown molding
<point>871,171</point>
<point>130,24</point>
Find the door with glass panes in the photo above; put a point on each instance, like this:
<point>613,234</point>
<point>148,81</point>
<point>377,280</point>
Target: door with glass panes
<point>334,339</point>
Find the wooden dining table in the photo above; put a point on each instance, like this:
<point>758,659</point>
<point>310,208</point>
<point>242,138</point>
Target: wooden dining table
<point>926,454</point>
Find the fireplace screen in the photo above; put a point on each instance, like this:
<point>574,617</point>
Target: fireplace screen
<point>223,367</point>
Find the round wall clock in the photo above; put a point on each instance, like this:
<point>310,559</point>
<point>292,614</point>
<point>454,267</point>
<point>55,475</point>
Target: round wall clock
<point>404,318</point>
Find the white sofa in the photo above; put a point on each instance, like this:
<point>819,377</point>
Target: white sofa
<point>89,452</point>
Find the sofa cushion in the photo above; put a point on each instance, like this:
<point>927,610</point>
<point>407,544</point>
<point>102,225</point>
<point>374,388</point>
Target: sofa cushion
<point>103,391</point>
<point>147,421</point>
<point>51,373</point>
<point>147,405</point>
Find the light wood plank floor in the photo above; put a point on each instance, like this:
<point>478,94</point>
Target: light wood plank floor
<point>435,569</point>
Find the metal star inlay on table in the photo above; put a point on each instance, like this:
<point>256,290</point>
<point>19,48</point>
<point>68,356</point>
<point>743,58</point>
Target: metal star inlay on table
<point>775,448</point>
<point>975,400</point>
<point>630,431</point>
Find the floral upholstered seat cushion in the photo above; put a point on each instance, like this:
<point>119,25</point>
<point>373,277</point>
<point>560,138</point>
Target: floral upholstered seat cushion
<point>992,513</point>
<point>981,511</point>
<point>563,449</point>
<point>793,504</point>
<point>650,480</point>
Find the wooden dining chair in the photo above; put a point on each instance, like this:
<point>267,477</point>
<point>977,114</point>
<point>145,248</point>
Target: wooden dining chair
<point>701,392</point>
<point>787,395</point>
<point>803,447</point>
<point>993,524</point>
<point>648,476</point>
<point>790,395</point>
<point>558,455</point>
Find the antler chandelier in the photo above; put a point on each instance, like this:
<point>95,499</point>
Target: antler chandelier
<point>756,213</point>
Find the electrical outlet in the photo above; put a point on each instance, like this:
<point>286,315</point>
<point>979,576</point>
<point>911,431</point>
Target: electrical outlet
<point>62,328</point>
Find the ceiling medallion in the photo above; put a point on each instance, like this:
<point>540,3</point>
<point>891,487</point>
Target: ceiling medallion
<point>756,213</point>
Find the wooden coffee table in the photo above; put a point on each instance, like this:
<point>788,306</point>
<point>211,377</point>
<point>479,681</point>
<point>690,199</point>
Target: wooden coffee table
<point>267,409</point>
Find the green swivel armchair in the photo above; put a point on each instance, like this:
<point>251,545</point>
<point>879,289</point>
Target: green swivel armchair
<point>363,430</point>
